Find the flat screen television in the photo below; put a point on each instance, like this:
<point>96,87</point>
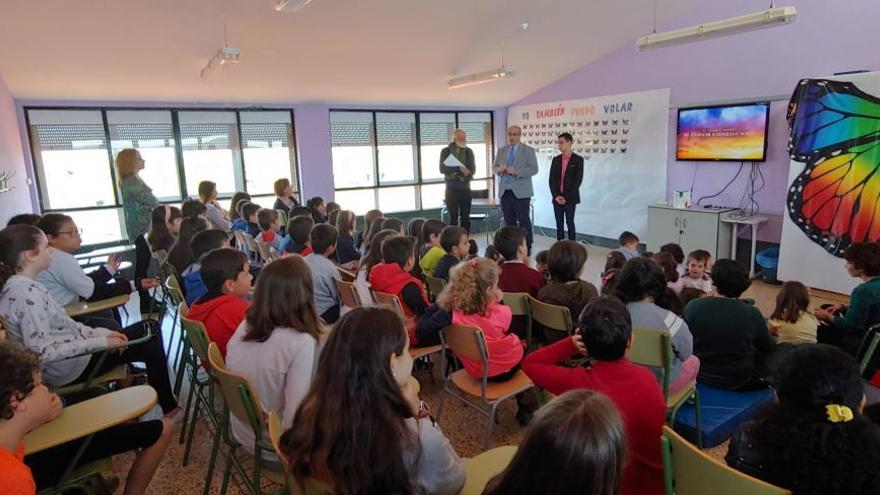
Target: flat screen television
<point>723,133</point>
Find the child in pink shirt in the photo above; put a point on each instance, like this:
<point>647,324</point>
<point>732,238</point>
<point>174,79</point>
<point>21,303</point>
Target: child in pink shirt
<point>474,299</point>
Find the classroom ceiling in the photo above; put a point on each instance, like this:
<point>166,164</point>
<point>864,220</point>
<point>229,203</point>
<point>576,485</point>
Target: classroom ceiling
<point>334,51</point>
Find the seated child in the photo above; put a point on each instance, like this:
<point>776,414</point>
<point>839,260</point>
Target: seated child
<point>629,245</point>
<point>814,438</point>
<point>65,278</point>
<point>641,285</point>
<point>331,207</point>
<point>516,274</point>
<point>474,299</point>
<point>24,219</point>
<point>667,263</point>
<point>298,231</point>
<point>677,253</point>
<point>238,199</point>
<point>393,277</point>
<point>318,209</point>
<point>249,214</point>
<point>541,263</point>
<point>394,224</point>
<point>431,252</point>
<point>227,278</point>
<point>347,254</point>
<point>730,335</point>
<point>369,218</point>
<point>613,264</point>
<point>269,225</point>
<point>194,209</point>
<point>697,276</point>
<point>576,440</point>
<point>566,262</point>
<point>324,271</point>
<point>605,335</point>
<point>492,253</point>
<point>25,403</point>
<point>202,243</point>
<point>454,241</point>
<point>791,321</point>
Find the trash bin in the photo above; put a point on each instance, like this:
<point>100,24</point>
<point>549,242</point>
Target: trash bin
<point>768,260</point>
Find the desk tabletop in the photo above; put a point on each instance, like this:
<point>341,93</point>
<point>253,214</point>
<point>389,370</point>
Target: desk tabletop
<point>753,220</point>
<point>79,308</point>
<point>105,251</point>
<point>84,418</point>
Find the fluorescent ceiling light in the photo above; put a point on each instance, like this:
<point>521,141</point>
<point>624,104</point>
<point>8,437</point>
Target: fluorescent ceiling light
<point>290,5</point>
<point>225,56</point>
<point>776,16</point>
<point>480,78</point>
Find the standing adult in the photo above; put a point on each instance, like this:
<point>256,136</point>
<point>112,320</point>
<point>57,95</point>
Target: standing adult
<point>138,202</point>
<point>515,165</point>
<point>458,179</point>
<point>566,174</point>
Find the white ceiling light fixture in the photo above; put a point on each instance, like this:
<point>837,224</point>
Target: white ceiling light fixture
<point>290,5</point>
<point>488,76</point>
<point>772,17</point>
<point>480,78</point>
<point>226,56</point>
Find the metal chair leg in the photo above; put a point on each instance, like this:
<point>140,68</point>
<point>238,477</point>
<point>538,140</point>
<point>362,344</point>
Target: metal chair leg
<point>194,421</point>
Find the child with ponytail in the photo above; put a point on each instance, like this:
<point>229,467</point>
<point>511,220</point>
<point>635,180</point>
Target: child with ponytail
<point>813,439</point>
<point>164,226</point>
<point>474,299</point>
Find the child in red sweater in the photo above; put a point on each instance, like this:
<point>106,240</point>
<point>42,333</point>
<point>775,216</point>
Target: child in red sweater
<point>393,277</point>
<point>516,274</point>
<point>606,333</point>
<point>228,279</point>
<point>473,298</point>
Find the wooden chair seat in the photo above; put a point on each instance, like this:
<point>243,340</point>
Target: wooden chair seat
<point>494,391</point>
<point>483,467</point>
<point>417,352</point>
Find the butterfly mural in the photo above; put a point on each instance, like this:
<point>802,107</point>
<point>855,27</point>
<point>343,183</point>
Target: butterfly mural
<point>835,132</point>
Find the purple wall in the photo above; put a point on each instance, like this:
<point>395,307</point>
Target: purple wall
<point>758,65</point>
<point>11,159</point>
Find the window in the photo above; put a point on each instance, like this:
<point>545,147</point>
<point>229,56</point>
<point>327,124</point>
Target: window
<point>209,141</point>
<point>390,160</point>
<point>435,130</point>
<point>73,152</point>
<point>150,132</point>
<point>71,158</point>
<point>267,151</point>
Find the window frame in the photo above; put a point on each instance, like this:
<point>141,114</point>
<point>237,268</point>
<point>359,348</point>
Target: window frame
<point>238,151</point>
<point>419,181</point>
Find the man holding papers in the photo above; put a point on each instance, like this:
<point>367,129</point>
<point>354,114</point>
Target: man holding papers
<point>515,164</point>
<point>457,164</point>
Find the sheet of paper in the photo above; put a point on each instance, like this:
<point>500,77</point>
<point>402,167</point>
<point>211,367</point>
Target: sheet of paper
<point>452,162</point>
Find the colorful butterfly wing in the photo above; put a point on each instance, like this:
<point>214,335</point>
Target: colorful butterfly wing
<point>826,116</point>
<point>836,200</point>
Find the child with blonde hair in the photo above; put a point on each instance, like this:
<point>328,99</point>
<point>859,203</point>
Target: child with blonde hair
<point>791,321</point>
<point>474,299</point>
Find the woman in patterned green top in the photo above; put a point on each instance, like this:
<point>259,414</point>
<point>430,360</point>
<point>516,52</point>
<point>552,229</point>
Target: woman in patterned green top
<point>137,204</point>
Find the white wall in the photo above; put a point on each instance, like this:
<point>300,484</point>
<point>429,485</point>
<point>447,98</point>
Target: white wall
<point>12,160</point>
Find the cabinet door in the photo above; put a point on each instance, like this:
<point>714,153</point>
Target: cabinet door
<point>699,231</point>
<point>664,226</point>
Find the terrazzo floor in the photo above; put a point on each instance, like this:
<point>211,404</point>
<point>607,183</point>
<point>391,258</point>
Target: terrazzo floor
<point>462,425</point>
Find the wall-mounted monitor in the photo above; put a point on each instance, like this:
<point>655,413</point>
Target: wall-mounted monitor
<point>723,133</point>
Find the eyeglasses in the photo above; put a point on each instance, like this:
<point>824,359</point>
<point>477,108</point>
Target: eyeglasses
<point>77,232</point>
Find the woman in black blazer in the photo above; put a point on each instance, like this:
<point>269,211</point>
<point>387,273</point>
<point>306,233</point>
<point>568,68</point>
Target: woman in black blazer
<point>565,187</point>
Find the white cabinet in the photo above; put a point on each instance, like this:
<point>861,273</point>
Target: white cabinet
<point>691,228</point>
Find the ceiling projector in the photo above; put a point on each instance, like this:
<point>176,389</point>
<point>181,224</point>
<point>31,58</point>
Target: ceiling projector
<point>290,5</point>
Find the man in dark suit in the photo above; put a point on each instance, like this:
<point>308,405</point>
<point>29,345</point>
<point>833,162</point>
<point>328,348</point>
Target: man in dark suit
<point>566,174</point>
<point>458,179</point>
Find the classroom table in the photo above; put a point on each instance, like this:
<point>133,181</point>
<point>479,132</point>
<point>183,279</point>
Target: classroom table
<point>735,221</point>
<point>91,416</point>
<point>79,308</point>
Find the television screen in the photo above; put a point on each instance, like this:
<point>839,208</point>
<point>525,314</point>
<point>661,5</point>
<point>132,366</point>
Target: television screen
<point>730,132</point>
